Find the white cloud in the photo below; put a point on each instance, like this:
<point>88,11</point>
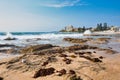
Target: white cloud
<point>65,3</point>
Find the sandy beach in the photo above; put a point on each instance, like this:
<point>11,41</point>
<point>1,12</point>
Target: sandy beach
<point>84,60</point>
<point>59,40</point>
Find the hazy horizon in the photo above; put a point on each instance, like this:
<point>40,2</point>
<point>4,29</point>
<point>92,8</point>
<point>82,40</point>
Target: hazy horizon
<point>54,15</point>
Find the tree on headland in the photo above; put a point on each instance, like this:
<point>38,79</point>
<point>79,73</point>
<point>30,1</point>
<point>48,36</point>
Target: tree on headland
<point>101,27</point>
<point>80,30</point>
<point>83,28</point>
<point>105,26</point>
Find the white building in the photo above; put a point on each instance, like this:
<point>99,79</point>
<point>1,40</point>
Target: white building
<point>69,28</point>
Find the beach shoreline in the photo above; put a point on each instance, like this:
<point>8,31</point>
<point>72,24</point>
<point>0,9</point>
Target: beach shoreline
<point>87,61</point>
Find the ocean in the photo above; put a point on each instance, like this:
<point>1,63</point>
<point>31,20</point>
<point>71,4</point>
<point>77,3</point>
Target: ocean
<point>31,38</point>
<point>24,39</point>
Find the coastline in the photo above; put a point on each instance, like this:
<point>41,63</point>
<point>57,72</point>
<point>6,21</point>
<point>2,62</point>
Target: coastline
<point>89,62</point>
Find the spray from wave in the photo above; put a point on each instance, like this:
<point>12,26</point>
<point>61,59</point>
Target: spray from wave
<point>41,35</point>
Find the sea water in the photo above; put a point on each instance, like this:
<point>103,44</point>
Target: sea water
<point>35,38</point>
<point>29,38</point>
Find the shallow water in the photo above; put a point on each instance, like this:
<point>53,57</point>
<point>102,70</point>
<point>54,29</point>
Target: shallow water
<point>4,56</point>
<point>54,38</point>
<point>31,38</point>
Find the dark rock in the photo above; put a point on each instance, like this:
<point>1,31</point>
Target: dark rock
<point>96,60</point>
<point>67,61</point>
<point>92,59</point>
<point>86,57</point>
<point>52,59</point>
<point>72,56</point>
<point>1,63</point>
<point>77,40</point>
<point>9,38</point>
<point>72,72</point>
<point>63,55</point>
<point>36,48</point>
<point>80,47</point>
<point>1,78</point>
<point>79,53</point>
<point>88,52</point>
<point>45,63</point>
<point>82,53</point>
<point>49,51</point>
<point>74,77</point>
<point>62,72</point>
<point>101,57</point>
<point>44,72</point>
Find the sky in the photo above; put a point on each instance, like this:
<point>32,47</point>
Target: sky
<point>54,15</point>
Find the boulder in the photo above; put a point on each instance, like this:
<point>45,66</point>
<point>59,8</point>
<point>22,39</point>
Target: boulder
<point>67,61</point>
<point>44,72</point>
<point>72,72</point>
<point>72,56</point>
<point>45,63</point>
<point>35,48</point>
<point>63,55</point>
<point>52,59</point>
<point>77,40</point>
<point>61,72</point>
<point>49,51</point>
<point>101,57</point>
<point>1,78</point>
<point>9,38</point>
<point>75,77</point>
<point>80,47</point>
<point>91,59</point>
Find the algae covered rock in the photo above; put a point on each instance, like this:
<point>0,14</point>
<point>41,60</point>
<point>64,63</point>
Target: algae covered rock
<point>35,48</point>
<point>44,72</point>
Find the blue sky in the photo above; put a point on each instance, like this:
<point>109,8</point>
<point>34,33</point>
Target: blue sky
<point>53,15</point>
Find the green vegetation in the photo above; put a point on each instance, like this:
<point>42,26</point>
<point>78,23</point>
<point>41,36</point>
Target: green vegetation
<point>102,27</point>
<point>80,30</point>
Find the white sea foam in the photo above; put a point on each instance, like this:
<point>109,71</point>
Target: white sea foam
<point>8,35</point>
<point>48,36</point>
